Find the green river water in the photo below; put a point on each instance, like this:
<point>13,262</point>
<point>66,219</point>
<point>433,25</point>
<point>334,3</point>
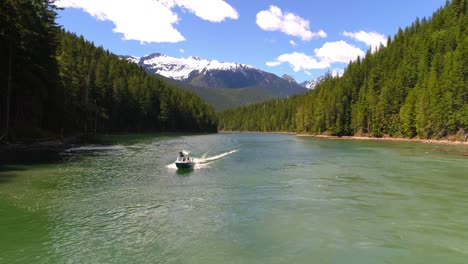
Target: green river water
<point>252,198</point>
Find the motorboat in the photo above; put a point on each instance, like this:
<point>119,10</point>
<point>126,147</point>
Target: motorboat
<point>183,161</point>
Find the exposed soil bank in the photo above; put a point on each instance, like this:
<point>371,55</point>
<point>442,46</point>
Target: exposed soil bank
<point>429,141</point>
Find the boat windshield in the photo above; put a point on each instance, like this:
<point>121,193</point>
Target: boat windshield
<point>182,159</point>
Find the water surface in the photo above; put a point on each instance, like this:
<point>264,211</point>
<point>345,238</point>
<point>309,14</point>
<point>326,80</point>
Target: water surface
<point>253,198</point>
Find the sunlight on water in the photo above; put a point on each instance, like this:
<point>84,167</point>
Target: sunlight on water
<point>94,147</point>
<point>252,198</point>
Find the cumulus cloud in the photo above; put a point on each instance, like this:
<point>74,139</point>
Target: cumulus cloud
<point>324,57</point>
<point>181,50</point>
<point>339,51</point>
<point>337,72</point>
<point>274,19</point>
<point>372,39</point>
<point>272,63</point>
<point>150,20</point>
<point>293,43</point>
<point>299,61</point>
<point>211,10</point>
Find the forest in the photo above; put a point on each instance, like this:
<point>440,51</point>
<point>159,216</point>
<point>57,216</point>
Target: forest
<point>54,84</point>
<point>415,87</point>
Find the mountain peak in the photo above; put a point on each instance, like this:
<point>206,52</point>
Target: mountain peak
<point>195,58</point>
<point>288,78</point>
<point>215,81</point>
<point>183,68</point>
<point>312,83</point>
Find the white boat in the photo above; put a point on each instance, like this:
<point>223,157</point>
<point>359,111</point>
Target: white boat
<point>183,161</point>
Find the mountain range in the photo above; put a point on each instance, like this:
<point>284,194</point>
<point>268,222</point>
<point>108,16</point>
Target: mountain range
<point>222,84</point>
<point>312,83</point>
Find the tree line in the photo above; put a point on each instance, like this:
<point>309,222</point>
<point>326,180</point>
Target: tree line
<point>416,86</point>
<point>56,83</point>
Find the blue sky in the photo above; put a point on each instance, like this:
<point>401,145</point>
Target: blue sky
<point>302,38</point>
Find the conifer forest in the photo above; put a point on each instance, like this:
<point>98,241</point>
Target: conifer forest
<point>54,83</point>
<point>415,87</point>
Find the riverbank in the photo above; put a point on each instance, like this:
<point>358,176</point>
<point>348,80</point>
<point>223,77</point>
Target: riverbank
<point>47,144</point>
<point>261,132</point>
<point>59,144</point>
<point>426,141</point>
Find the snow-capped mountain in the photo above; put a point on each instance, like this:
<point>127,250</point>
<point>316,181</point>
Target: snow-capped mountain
<point>182,68</point>
<point>312,83</point>
<point>214,74</point>
<point>288,78</point>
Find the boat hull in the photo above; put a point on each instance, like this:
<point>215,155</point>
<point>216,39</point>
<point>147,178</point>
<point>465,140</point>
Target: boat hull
<point>184,165</point>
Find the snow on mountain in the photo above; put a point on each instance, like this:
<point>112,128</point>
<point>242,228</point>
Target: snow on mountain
<point>198,74</point>
<point>182,68</point>
<point>312,83</point>
<point>288,78</point>
<point>132,59</point>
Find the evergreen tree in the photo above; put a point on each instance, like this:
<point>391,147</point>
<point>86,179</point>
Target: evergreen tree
<point>417,86</point>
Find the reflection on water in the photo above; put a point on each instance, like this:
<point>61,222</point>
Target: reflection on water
<point>253,198</point>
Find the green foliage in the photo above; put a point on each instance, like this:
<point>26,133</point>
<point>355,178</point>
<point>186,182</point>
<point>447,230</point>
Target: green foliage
<point>417,86</point>
<point>107,94</point>
<point>27,67</point>
<point>54,81</point>
<point>274,115</point>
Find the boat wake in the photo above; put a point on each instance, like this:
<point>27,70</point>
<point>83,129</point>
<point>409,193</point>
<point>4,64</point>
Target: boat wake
<point>204,161</point>
<point>94,147</point>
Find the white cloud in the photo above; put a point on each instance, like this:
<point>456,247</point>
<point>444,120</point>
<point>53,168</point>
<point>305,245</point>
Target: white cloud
<point>274,19</point>
<point>324,57</point>
<point>181,50</point>
<point>150,20</point>
<point>211,10</point>
<point>320,34</point>
<point>299,61</point>
<point>308,73</point>
<point>372,39</point>
<point>272,63</point>
<point>339,51</point>
<point>337,72</point>
<point>293,43</point>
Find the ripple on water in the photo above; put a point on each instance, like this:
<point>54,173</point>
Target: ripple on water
<point>278,199</point>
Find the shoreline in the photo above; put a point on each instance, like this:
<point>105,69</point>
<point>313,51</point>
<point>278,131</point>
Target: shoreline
<point>49,144</point>
<point>60,144</point>
<point>64,143</point>
<point>259,132</point>
<point>394,139</point>
<point>412,140</point>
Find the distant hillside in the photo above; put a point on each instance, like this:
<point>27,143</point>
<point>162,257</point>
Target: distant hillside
<point>417,86</point>
<point>225,98</point>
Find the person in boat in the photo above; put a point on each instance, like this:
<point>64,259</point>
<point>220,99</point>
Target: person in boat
<point>181,155</point>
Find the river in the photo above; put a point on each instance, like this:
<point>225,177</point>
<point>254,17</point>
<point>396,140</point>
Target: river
<point>252,198</point>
